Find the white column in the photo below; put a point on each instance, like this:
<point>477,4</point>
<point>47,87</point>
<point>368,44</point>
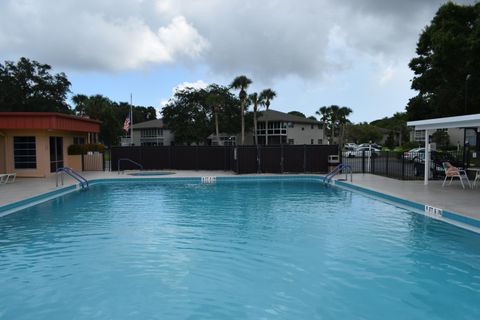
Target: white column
<point>427,159</point>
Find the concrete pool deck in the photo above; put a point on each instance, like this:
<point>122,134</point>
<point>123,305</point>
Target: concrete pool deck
<point>465,202</point>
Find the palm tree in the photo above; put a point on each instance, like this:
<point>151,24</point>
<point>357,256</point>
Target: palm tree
<point>241,83</point>
<point>267,95</point>
<point>342,114</point>
<point>325,117</point>
<point>214,101</point>
<point>80,101</point>
<point>257,101</point>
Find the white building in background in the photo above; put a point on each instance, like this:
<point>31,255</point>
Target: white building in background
<point>284,128</point>
<point>149,133</point>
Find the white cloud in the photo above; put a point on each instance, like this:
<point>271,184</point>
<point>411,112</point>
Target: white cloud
<point>94,36</point>
<point>200,84</point>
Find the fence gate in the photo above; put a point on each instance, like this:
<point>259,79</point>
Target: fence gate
<point>92,162</point>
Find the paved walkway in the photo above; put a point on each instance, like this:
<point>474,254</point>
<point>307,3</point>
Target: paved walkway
<point>452,198</point>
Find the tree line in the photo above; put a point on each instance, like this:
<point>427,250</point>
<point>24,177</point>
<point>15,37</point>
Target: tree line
<point>193,114</point>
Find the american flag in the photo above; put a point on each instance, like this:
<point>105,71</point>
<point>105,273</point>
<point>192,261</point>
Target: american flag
<point>126,124</point>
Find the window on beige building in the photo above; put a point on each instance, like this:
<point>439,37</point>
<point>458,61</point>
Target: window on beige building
<point>25,152</point>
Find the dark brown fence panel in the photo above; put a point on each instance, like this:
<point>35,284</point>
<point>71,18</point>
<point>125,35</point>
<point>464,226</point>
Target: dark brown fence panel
<point>156,158</point>
<point>316,157</point>
<point>213,158</point>
<point>271,159</point>
<point>185,158</point>
<point>246,159</point>
<point>132,153</point>
<point>294,158</point>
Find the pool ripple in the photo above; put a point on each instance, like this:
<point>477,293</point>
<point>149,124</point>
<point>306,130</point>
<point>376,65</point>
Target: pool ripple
<point>246,250</point>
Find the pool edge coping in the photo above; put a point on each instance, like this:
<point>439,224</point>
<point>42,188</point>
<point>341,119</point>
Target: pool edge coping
<point>447,216</point>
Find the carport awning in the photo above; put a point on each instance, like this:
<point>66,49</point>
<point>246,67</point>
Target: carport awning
<point>468,121</point>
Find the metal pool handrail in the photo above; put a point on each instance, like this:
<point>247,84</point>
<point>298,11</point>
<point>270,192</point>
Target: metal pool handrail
<point>338,169</point>
<point>129,160</point>
<point>72,173</point>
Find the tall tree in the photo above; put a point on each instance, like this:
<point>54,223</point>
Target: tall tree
<point>256,100</point>
<point>447,65</point>
<point>363,132</point>
<point>334,119</point>
<point>267,96</point>
<point>397,123</point>
<point>191,118</point>
<point>342,121</point>
<point>29,86</point>
<point>215,100</point>
<point>241,83</point>
<point>101,108</point>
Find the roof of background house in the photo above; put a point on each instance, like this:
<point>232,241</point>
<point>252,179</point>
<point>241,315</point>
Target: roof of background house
<point>156,123</point>
<point>273,115</point>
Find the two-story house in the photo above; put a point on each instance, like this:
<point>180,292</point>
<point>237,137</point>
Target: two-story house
<point>284,128</point>
<point>149,133</point>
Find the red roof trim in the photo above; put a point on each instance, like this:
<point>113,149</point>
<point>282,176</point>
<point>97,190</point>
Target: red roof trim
<point>47,120</point>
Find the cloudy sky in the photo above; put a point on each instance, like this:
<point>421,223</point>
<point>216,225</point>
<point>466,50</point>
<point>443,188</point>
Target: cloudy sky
<point>313,53</point>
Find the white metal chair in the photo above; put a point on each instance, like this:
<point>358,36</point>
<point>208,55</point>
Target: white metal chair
<point>477,178</point>
<point>7,178</point>
<point>453,172</point>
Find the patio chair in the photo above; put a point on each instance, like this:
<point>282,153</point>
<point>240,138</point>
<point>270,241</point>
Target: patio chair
<point>454,172</point>
<point>7,178</point>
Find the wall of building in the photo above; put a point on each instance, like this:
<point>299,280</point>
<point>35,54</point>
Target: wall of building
<point>303,133</point>
<point>166,138</point>
<point>42,146</point>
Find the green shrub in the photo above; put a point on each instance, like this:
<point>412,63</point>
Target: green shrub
<point>76,149</point>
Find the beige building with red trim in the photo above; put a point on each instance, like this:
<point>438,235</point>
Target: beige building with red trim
<point>34,144</point>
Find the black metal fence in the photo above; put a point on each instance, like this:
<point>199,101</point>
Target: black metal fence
<point>401,165</point>
<point>240,159</point>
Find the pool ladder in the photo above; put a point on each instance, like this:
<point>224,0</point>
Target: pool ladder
<point>128,160</point>
<point>72,173</point>
<point>338,170</point>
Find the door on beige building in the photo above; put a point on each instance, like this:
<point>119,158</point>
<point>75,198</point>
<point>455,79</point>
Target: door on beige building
<point>56,153</point>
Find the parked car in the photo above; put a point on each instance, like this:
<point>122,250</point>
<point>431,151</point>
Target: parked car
<point>374,145</point>
<point>414,154</point>
<point>362,152</point>
<point>350,146</point>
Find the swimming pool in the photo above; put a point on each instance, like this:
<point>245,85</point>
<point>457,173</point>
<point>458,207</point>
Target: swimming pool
<point>289,249</point>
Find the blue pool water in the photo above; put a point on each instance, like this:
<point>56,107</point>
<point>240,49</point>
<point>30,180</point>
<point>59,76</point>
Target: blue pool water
<point>233,250</point>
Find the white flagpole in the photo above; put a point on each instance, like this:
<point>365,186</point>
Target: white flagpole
<point>131,121</point>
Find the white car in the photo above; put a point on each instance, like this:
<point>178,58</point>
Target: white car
<point>414,154</point>
<point>351,146</point>
<point>361,152</point>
